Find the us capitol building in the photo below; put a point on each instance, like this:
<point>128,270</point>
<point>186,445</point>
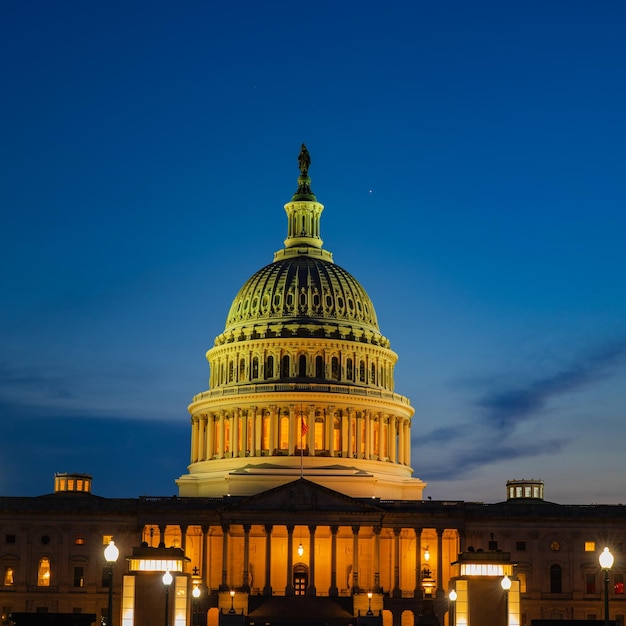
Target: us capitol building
<point>300,504</point>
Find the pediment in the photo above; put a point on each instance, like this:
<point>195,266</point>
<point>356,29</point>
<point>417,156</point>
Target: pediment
<point>302,495</point>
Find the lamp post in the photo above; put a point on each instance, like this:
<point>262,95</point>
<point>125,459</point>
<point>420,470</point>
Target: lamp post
<point>111,553</point>
<point>167,581</point>
<point>452,598</point>
<point>196,595</point>
<point>506,586</point>
<point>369,603</point>
<point>232,601</point>
<point>606,563</point>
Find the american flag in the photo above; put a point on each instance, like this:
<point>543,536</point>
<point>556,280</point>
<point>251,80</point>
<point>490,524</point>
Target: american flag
<point>304,429</point>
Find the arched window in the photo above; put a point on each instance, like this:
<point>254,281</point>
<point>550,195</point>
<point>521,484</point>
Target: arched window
<point>43,572</point>
<point>319,367</point>
<point>269,367</point>
<point>334,368</point>
<point>285,367</point>
<point>255,368</point>
<point>373,376</point>
<point>231,371</point>
<point>349,370</point>
<point>362,371</point>
<point>302,365</point>
<point>556,579</point>
<point>242,369</point>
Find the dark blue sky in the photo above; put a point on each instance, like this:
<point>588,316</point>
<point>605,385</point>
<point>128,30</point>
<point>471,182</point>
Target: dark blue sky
<point>471,159</point>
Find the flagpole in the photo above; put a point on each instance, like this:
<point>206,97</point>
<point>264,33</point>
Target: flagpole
<point>301,448</point>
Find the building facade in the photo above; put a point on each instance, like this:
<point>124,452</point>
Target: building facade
<point>300,500</point>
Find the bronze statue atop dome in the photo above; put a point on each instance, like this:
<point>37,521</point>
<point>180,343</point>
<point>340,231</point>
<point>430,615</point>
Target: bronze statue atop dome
<point>304,160</point>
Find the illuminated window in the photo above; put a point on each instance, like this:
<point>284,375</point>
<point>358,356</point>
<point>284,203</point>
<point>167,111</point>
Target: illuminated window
<point>79,540</point>
<point>521,576</point>
<point>265,442</point>
<point>337,434</point>
<point>8,576</point>
<point>43,572</point>
<point>590,546</point>
<point>618,584</point>
<point>319,435</point>
<point>227,435</point>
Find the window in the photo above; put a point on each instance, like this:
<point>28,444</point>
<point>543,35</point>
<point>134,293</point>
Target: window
<point>521,576</point>
<point>590,546</point>
<point>269,367</point>
<point>10,538</point>
<point>43,572</point>
<point>618,584</point>
<point>520,546</point>
<point>556,584</point>
<point>319,367</point>
<point>302,366</point>
<point>334,368</point>
<point>590,583</point>
<point>79,540</point>
<point>107,539</point>
<point>285,367</point>
<point>79,577</point>
<point>8,576</point>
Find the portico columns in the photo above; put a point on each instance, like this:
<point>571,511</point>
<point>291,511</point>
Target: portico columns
<point>333,591</point>
<point>397,592</point>
<point>355,559</point>
<point>311,590</point>
<point>246,557</point>
<point>289,587</point>
<point>418,592</point>
<point>267,589</point>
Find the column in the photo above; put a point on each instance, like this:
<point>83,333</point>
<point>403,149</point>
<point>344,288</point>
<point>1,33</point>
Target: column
<point>400,440</point>
<point>244,432</point>
<point>330,420</point>
<point>224,586</point>
<point>210,431</point>
<point>350,431</point>
<point>289,587</point>
<point>234,433</point>
<point>246,557</point>
<point>359,435</point>
<point>397,591</point>
<point>418,592</point>
<point>204,571</point>
<point>368,435</point>
<point>440,592</point>
<point>344,424</point>
<point>162,528</point>
<point>183,536</point>
<point>376,530</point>
<point>333,591</point>
<point>392,439</point>
<point>311,590</point>
<point>194,439</point>
<point>257,425</point>
<point>355,559</point>
<point>267,589</point>
<point>220,436</point>
<point>407,441</point>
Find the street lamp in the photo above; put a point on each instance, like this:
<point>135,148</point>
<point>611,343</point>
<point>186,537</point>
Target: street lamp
<point>606,563</point>
<point>196,594</point>
<point>111,553</point>
<point>369,603</point>
<point>506,585</point>
<point>232,601</point>
<point>167,581</point>
<point>452,598</point>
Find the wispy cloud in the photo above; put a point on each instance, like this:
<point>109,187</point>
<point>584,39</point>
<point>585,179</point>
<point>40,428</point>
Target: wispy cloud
<point>489,431</point>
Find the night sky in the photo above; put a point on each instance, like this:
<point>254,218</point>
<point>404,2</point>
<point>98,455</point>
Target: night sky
<point>471,158</point>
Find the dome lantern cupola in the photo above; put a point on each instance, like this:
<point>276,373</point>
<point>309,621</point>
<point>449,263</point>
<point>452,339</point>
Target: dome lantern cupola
<point>303,217</point>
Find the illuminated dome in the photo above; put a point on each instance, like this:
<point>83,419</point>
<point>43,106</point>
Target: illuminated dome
<point>301,381</point>
<point>306,297</point>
